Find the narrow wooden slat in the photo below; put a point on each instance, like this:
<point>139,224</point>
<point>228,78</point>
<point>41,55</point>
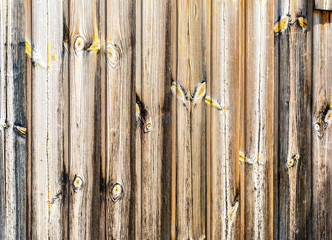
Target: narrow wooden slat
<point>120,114</point>
<point>173,57</point>
<point>224,138</point>
<point>136,232</point>
<point>101,15</point>
<point>258,133</point>
<point>190,145</point>
<point>294,43</point>
<point>84,133</point>
<point>3,107</point>
<point>321,125</point>
<point>242,90</point>
<point>152,95</point>
<point>39,122</point>
<point>323,5</point>
<point>13,117</point>
<point>57,121</point>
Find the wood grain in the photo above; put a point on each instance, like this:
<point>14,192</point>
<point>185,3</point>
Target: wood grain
<point>84,122</point>
<point>323,5</point>
<point>321,137</point>
<point>258,128</point>
<point>190,146</point>
<point>13,115</point>
<point>120,115</point>
<point>294,133</point>
<point>224,138</point>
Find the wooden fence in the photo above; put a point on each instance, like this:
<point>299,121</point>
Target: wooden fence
<point>170,119</point>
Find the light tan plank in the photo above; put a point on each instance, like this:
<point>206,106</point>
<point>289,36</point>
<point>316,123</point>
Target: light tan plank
<point>225,122</point>
<point>323,5</point>
<point>84,135</point>
<point>259,101</point>
<point>120,114</point>
<point>322,125</point>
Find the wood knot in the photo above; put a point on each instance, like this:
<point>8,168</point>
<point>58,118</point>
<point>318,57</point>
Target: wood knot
<point>113,54</point>
<point>116,192</point>
<point>79,44</point>
<point>148,127</point>
<point>78,183</point>
<point>323,120</point>
<point>143,115</point>
<point>291,162</point>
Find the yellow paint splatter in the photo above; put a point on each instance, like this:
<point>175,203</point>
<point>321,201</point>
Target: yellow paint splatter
<point>282,24</point>
<point>302,22</point>
<point>95,46</point>
<point>199,93</point>
<point>179,92</point>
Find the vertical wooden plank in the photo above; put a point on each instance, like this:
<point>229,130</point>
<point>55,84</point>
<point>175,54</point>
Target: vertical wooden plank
<point>57,120</point>
<point>259,102</point>
<point>322,125</point>
<point>13,119</point>
<point>224,138</point>
<point>137,176</point>
<point>120,106</point>
<point>153,96</point>
<point>294,43</point>
<point>190,182</point>
<point>48,120</point>
<point>39,122</point>
<point>3,107</point>
<point>242,91</point>
<point>101,15</point>
<point>84,133</point>
<point>323,5</point>
<point>174,62</point>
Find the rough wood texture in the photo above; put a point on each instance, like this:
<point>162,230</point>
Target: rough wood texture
<point>322,125</point>
<point>224,138</point>
<point>258,127</point>
<point>120,112</point>
<point>84,123</point>
<point>190,123</point>
<point>248,160</point>
<point>323,5</point>
<point>154,94</point>
<point>13,119</point>
<point>294,153</point>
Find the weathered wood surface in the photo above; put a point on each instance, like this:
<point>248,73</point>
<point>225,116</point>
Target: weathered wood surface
<point>294,130</point>
<point>258,127</point>
<point>322,125</point>
<point>99,140</point>
<point>224,121</point>
<point>120,109</point>
<point>323,5</point>
<point>13,121</point>
<point>84,121</point>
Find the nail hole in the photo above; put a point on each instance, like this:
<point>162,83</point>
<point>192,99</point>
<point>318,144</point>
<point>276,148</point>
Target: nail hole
<point>79,44</point>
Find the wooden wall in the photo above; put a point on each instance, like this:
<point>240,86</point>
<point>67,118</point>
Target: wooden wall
<point>171,119</point>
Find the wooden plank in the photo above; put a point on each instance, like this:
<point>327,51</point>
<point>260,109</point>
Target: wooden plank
<point>57,121</point>
<point>39,122</point>
<point>294,43</point>
<point>3,113</point>
<point>84,135</point>
<point>13,119</point>
<point>120,105</point>
<point>322,125</point>
<point>224,138</point>
<point>258,128</point>
<point>153,91</point>
<point>242,90</point>
<point>190,146</point>
<point>323,5</point>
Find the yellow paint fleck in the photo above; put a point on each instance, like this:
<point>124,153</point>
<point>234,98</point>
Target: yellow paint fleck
<point>28,48</point>
<point>199,93</point>
<point>302,22</point>
<point>21,129</point>
<point>282,24</point>
<point>4,125</point>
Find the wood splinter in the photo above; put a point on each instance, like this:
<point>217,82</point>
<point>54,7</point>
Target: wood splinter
<point>22,130</point>
<point>143,116</point>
